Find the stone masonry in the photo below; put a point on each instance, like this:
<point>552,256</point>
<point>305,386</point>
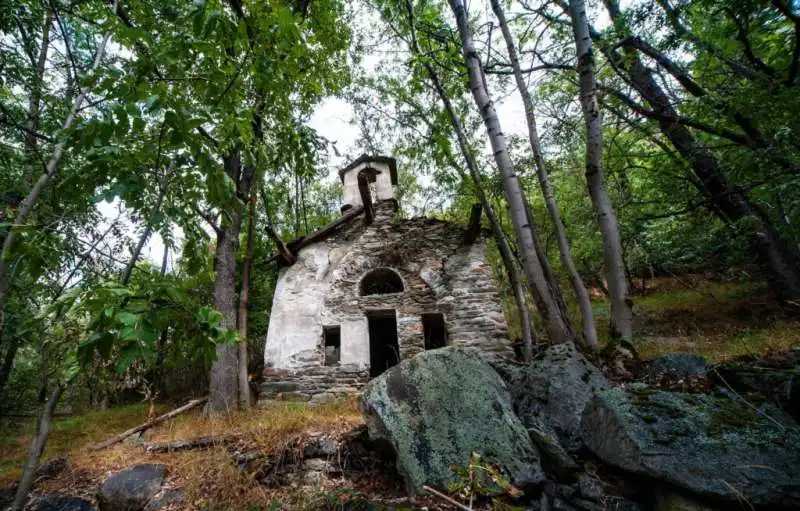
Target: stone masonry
<point>440,273</point>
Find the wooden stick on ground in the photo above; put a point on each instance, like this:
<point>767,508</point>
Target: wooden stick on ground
<point>442,496</point>
<point>192,443</point>
<point>194,403</point>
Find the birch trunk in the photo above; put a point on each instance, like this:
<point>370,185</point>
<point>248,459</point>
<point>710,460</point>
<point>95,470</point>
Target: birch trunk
<point>244,302</point>
<point>621,304</point>
<point>501,240</point>
<point>557,325</point>
<point>565,252</point>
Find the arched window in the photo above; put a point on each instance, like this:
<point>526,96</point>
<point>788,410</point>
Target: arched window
<point>381,281</point>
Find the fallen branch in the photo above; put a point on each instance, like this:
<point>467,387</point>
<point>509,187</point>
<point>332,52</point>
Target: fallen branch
<point>149,424</point>
<point>442,496</point>
<point>202,442</point>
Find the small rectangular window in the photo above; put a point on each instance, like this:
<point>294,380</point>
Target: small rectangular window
<point>435,331</point>
<point>333,344</point>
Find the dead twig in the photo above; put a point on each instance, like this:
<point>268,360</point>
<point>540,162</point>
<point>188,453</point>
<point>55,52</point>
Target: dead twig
<point>446,498</point>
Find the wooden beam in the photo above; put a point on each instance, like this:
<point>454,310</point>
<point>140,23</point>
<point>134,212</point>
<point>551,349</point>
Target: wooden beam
<point>149,424</point>
<point>366,199</point>
<point>287,255</point>
<point>474,227</point>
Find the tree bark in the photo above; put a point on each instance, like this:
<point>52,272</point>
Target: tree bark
<point>729,203</point>
<point>497,231</point>
<point>50,169</point>
<point>244,302</point>
<point>621,304</point>
<point>557,325</point>
<point>37,448</point>
<point>224,388</point>
<point>8,362</point>
<point>34,105</point>
<point>578,286</point>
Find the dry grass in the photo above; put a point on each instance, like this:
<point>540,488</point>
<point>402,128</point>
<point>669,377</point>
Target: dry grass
<point>210,477</point>
<point>718,320</point>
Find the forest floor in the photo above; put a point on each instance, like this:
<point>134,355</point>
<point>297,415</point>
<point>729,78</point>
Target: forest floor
<point>717,320</point>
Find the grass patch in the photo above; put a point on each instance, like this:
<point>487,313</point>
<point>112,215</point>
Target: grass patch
<point>210,478</point>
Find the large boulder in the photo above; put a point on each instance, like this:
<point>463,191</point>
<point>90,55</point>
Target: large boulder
<point>716,447</point>
<point>553,391</point>
<point>437,409</point>
<point>131,489</point>
<point>57,502</point>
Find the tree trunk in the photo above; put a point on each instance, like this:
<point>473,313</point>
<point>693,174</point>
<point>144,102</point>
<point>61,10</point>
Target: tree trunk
<point>621,304</point>
<point>37,448</point>
<point>578,286</point>
<point>8,363</point>
<point>34,105</point>
<point>50,169</point>
<point>728,202</point>
<point>244,302</point>
<point>224,388</point>
<point>497,231</point>
<point>148,229</point>
<point>557,325</point>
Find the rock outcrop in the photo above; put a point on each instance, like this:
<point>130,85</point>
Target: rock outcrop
<point>131,489</point>
<point>441,406</point>
<point>551,393</point>
<point>718,448</point>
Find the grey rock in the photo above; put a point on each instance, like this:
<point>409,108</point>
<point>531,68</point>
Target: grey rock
<point>166,498</point>
<point>679,365</point>
<point>62,503</point>
<point>320,448</point>
<point>715,447</point>
<point>587,505</point>
<point>554,457</point>
<point>554,390</point>
<point>132,488</point>
<point>561,505</point>
<point>438,408</point>
<point>591,488</point>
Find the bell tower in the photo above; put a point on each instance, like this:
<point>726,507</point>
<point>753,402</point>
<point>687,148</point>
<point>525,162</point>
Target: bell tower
<point>379,171</point>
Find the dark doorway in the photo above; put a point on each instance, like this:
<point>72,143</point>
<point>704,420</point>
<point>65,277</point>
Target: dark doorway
<point>384,351</point>
<point>434,330</point>
<point>333,344</point>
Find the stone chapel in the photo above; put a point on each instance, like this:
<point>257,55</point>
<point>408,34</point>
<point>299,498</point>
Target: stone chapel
<point>372,289</point>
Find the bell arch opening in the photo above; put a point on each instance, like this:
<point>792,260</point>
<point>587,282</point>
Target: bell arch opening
<point>381,281</point>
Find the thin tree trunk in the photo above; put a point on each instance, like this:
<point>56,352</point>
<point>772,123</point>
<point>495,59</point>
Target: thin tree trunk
<point>244,302</point>
<point>8,363</point>
<point>37,448</point>
<point>557,325</point>
<point>499,235</point>
<point>729,203</point>
<point>148,229</point>
<point>50,169</point>
<point>621,304</point>
<point>578,286</point>
<point>34,104</point>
